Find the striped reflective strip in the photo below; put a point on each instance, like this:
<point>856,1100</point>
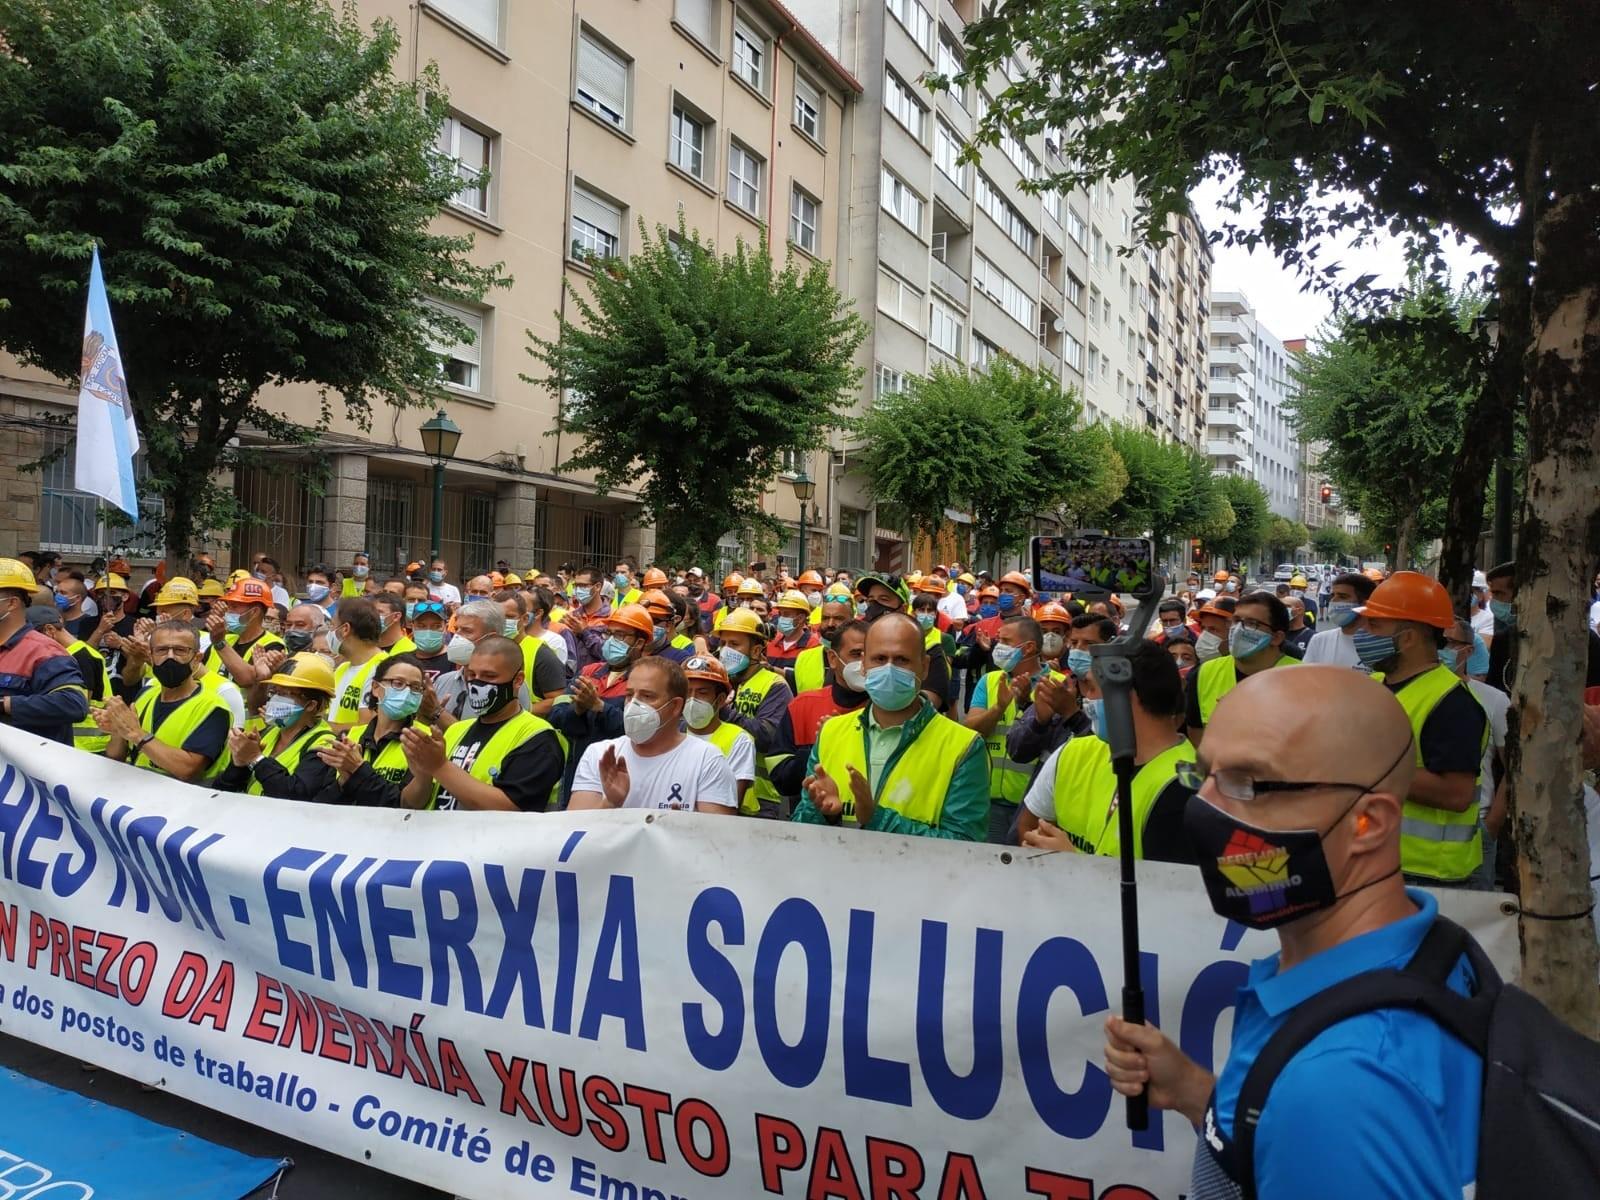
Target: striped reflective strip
<point>1432,831</point>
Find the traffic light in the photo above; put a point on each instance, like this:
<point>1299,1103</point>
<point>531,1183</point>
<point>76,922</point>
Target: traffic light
<point>1327,493</point>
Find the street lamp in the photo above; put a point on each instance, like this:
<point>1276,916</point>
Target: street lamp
<point>804,488</point>
<point>440,436</point>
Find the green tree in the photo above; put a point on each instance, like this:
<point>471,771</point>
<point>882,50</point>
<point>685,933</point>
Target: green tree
<point>262,190</point>
<point>1330,543</point>
<point>916,469</point>
<point>1285,537</point>
<point>1252,514</point>
<point>1087,507</point>
<point>1348,117</point>
<point>1388,390</point>
<point>690,374</point>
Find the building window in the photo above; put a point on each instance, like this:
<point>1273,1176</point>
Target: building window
<point>1005,215</point>
<point>1052,205</point>
<point>916,20</point>
<point>480,16</point>
<point>984,351</point>
<point>900,202</point>
<point>1021,158</point>
<point>1094,305</point>
<point>750,56</point>
<point>687,149</point>
<point>69,520</point>
<point>807,108</point>
<point>1074,290</point>
<point>1075,226</point>
<point>899,299</point>
<point>596,226</point>
<point>699,18</point>
<point>852,521</point>
<point>469,148</point>
<point>463,358</point>
<point>1094,361</point>
<point>1003,290</point>
<point>944,329</point>
<point>889,382</point>
<point>947,153</point>
<point>950,64</point>
<point>1074,352</point>
<point>803,214</point>
<point>744,178</point>
<point>602,80</point>
<point>904,107</point>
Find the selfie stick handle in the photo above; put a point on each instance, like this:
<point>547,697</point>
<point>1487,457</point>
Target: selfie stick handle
<point>1113,671</point>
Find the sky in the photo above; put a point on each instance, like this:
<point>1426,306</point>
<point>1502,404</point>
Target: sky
<point>1275,290</point>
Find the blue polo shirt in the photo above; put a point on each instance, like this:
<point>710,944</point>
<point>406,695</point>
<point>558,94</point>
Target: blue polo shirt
<point>1381,1105</point>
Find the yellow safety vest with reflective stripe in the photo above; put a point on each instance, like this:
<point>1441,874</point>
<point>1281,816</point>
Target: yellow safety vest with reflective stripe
<point>724,737</point>
<point>288,757</point>
<point>88,736</point>
<point>1008,781</point>
<point>390,760</point>
<point>1219,677</point>
<point>747,698</point>
<point>1434,842</point>
<point>811,669</point>
<point>1086,793</point>
<point>178,724</point>
<point>513,732</point>
<point>349,682</point>
<point>267,641</point>
<point>916,777</point>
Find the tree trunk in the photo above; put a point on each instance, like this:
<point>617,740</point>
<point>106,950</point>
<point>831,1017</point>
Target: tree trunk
<point>1484,437</point>
<point>1555,564</point>
<point>1404,535</point>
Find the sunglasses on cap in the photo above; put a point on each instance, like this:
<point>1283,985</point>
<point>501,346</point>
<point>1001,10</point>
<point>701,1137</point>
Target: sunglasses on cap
<point>427,606</point>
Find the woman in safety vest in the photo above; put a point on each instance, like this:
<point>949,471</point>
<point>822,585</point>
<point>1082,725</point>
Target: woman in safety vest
<point>369,760</point>
<point>276,763</point>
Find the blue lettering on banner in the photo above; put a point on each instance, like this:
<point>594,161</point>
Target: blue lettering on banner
<point>715,1051</point>
<point>1058,963</point>
<point>519,968</point>
<point>866,1075</point>
<point>972,1096</point>
<point>794,922</point>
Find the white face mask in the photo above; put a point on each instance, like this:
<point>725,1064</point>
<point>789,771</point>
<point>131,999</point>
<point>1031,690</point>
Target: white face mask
<point>459,651</point>
<point>697,712</point>
<point>1207,646</point>
<point>639,721</point>
<point>1051,644</point>
<point>854,676</point>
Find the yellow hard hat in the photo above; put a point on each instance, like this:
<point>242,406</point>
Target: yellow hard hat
<point>742,620</point>
<point>1298,581</point>
<point>177,590</point>
<point>109,580</point>
<point>307,671</point>
<point>796,600</point>
<point>513,580</point>
<point>14,573</point>
<point>751,587</point>
<point>239,574</point>
<point>211,589</point>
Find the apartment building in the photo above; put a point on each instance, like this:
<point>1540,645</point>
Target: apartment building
<point>1248,430</point>
<point>590,119</point>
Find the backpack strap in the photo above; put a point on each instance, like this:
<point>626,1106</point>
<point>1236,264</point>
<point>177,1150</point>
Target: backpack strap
<point>1420,986</point>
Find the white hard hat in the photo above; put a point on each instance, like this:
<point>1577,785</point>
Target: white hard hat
<point>1205,594</point>
<point>1480,580</point>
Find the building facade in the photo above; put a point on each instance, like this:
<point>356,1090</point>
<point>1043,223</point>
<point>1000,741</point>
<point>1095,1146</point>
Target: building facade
<point>1251,381</point>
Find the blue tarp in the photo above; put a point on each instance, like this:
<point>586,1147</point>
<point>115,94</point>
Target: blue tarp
<point>52,1140</point>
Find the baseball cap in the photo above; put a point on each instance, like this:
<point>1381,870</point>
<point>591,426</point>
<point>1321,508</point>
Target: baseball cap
<point>40,615</point>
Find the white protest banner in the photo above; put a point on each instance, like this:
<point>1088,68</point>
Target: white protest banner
<point>627,1005</point>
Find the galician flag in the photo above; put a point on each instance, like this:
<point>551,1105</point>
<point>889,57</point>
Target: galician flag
<point>107,436</point>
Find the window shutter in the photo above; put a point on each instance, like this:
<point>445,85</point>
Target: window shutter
<point>597,212</point>
<point>699,18</point>
<point>602,75</point>
<point>480,16</point>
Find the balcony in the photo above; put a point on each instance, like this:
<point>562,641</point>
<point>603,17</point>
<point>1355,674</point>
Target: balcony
<point>1231,328</point>
<point>1232,416</point>
<point>1235,387</point>
<point>949,281</point>
<point>1233,356</point>
<point>1227,451</point>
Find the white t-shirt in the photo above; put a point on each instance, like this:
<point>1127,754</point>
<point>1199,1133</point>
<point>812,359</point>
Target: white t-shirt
<point>557,643</point>
<point>693,772</point>
<point>1041,797</point>
<point>741,755</point>
<point>1495,704</point>
<point>954,606</point>
<point>1333,648</point>
<point>1483,623</point>
<point>445,593</point>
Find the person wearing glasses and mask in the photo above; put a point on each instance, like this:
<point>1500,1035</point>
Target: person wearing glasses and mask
<point>1255,644</point>
<point>280,762</point>
<point>1296,827</point>
<point>369,759</point>
<point>176,727</point>
<point>498,757</point>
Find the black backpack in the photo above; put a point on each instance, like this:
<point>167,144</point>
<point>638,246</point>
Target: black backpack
<point>1539,1131</point>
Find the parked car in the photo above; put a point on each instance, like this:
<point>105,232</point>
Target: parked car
<point>1284,573</point>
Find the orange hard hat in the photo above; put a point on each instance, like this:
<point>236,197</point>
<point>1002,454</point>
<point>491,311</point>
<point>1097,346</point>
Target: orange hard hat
<point>706,667</point>
<point>1052,613</point>
<point>248,591</point>
<point>1018,579</point>
<point>810,578</point>
<point>655,601</point>
<point>732,582</point>
<point>634,617</point>
<point>1373,574</point>
<point>1221,577</point>
<point>497,579</point>
<point>930,585</point>
<point>655,577</point>
<point>1212,609</point>
<point>990,592</point>
<point>1410,596</point>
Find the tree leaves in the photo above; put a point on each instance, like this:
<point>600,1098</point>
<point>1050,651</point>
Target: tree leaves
<point>692,373</point>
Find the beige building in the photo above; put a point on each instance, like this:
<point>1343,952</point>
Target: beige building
<point>590,118</point>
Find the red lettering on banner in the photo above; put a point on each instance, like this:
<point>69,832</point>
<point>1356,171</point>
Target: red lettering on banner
<point>651,1105</point>
<point>961,1179</point>
<point>601,1095</point>
<point>185,987</point>
<point>781,1147</point>
<point>1126,1191</point>
<point>690,1113</point>
<point>332,1026</point>
<point>513,1101</point>
<point>8,932</point>
<point>1058,1187</point>
<point>570,1122</point>
<point>894,1170</point>
<point>215,1005</point>
<point>112,944</point>
<point>60,962</point>
<point>38,938</point>
<point>833,1175</point>
<point>269,1003</point>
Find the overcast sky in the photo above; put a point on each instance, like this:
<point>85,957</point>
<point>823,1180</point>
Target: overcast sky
<point>1275,290</point>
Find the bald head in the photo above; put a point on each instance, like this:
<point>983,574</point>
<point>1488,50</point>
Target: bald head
<point>896,638</point>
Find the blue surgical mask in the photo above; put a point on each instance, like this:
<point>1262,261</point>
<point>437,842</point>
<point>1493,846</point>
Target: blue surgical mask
<point>429,641</point>
<point>233,622</point>
<point>1079,662</point>
<point>961,589</point>
<point>1504,612</point>
<point>1374,649</point>
<point>1095,710</point>
<point>1244,642</point>
<point>436,576</point>
<point>786,624</point>
<point>735,662</point>
<point>1478,660</point>
<point>1447,657</point>
<point>926,620</point>
<point>335,643</point>
<point>63,602</point>
<point>582,594</point>
<point>1341,614</point>
<point>659,637</point>
<point>892,687</point>
<point>512,628</point>
<point>411,609</point>
<point>615,651</point>
<point>988,610</point>
<point>1004,657</point>
<point>398,703</point>
<point>316,592</point>
<point>620,580</point>
<point>1007,601</point>
<point>281,711</point>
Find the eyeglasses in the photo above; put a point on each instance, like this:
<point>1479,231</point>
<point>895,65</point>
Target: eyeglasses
<point>416,688</point>
<point>1252,623</point>
<point>1239,787</point>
